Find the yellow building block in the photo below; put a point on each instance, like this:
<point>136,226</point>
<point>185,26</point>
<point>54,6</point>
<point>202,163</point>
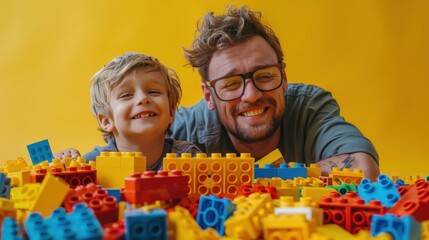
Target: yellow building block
<point>15,165</point>
<point>275,157</point>
<point>18,179</point>
<point>114,167</point>
<point>307,182</point>
<point>246,221</point>
<point>181,225</point>
<point>287,227</point>
<point>316,193</point>
<point>53,191</point>
<point>212,175</point>
<point>346,176</point>
<point>314,171</point>
<point>425,230</point>
<point>283,187</point>
<point>366,235</point>
<point>333,231</point>
<point>24,196</point>
<point>306,206</point>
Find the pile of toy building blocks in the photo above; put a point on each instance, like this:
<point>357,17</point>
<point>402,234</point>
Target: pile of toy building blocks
<point>203,197</point>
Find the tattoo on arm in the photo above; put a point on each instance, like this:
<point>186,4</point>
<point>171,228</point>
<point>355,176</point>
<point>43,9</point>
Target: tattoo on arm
<point>347,163</point>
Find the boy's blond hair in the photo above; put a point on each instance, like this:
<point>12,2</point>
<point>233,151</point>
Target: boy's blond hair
<point>114,72</point>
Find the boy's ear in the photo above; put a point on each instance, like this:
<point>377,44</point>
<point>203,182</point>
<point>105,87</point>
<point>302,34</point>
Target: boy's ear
<point>172,115</point>
<point>208,96</point>
<point>105,123</point>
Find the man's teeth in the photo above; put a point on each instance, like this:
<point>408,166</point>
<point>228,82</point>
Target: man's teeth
<point>144,115</point>
<point>253,112</point>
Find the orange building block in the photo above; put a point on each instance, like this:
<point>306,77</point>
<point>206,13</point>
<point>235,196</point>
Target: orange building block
<point>346,176</point>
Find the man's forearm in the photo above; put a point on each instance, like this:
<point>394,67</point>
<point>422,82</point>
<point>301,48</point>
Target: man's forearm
<point>358,160</point>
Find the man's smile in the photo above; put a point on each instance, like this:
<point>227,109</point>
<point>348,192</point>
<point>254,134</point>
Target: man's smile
<point>253,112</point>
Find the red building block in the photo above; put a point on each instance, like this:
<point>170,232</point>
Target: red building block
<point>247,189</point>
<point>414,202</point>
<point>350,211</point>
<point>115,231</point>
<point>148,188</point>
<point>104,206</point>
<point>72,175</point>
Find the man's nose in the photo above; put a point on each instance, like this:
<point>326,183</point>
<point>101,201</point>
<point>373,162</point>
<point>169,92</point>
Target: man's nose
<point>251,93</point>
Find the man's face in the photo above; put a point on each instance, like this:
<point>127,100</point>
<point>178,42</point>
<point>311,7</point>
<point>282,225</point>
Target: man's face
<point>256,116</point>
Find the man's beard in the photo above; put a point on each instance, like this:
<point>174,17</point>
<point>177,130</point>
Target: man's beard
<point>262,131</point>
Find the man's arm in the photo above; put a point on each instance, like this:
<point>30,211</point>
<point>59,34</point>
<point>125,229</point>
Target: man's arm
<point>359,160</point>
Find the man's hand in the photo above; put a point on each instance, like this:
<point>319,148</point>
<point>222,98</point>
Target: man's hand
<point>70,152</point>
<point>358,160</point>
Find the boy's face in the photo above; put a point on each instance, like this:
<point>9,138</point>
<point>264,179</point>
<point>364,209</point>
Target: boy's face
<point>140,106</point>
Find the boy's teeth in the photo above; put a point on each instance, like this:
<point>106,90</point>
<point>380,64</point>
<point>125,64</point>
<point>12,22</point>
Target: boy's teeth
<point>253,112</point>
<point>145,115</point>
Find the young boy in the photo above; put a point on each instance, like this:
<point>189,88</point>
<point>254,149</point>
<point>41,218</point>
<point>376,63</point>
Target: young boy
<point>134,98</point>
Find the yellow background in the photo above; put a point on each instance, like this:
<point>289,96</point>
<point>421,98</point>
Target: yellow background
<point>372,55</point>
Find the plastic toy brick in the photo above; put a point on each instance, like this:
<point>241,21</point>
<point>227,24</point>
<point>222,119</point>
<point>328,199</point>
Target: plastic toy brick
<point>40,151</point>
<point>213,212</point>
<point>287,227</point>
<point>346,176</point>
<point>400,228</point>
<point>245,223</point>
<point>52,192</point>
<point>56,163</point>
<point>350,211</point>
<point>275,157</point>
<point>213,175</point>
<point>307,182</point>
<point>80,224</point>
<point>314,171</point>
<point>72,175</point>
<point>114,231</point>
<point>267,171</point>
<point>24,196</point>
<point>151,225</point>
<point>285,171</point>
<point>383,190</point>
<point>366,235</point>
<point>425,230</point>
<point>104,206</point>
<point>333,232</point>
<point>115,192</point>
<point>181,225</point>
<point>17,165</point>
<point>7,209</point>
<point>148,188</point>
<point>247,189</point>
<point>191,203</point>
<point>283,187</point>
<point>316,193</point>
<point>18,179</point>
<point>414,202</point>
<point>113,167</point>
<point>327,181</point>
<point>4,186</point>
<point>344,188</point>
<point>305,206</point>
<point>11,230</point>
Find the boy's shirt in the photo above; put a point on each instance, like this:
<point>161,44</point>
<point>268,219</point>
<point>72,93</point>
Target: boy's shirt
<point>170,146</point>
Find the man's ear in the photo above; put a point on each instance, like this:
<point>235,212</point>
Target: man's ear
<point>208,96</point>
<point>105,123</point>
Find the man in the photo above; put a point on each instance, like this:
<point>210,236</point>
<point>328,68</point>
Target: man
<point>248,105</point>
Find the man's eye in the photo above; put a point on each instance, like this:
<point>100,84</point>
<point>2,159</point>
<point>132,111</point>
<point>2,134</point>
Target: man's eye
<point>231,84</point>
<point>264,77</point>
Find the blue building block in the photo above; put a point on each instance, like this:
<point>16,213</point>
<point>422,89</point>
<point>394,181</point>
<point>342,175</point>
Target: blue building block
<point>146,226</point>
<point>40,151</point>
<point>285,172</point>
<point>114,192</point>
<point>79,224</point>
<point>213,212</point>
<point>11,230</point>
<point>268,171</point>
<point>401,228</point>
<point>4,186</point>
<point>383,190</point>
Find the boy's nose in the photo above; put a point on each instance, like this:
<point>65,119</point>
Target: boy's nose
<point>143,99</point>
<point>251,93</point>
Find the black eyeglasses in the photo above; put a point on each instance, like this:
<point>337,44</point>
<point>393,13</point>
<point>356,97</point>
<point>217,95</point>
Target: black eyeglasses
<point>231,87</point>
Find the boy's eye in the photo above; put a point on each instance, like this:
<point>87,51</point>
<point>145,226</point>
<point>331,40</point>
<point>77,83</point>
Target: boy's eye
<point>154,92</point>
<point>125,95</point>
